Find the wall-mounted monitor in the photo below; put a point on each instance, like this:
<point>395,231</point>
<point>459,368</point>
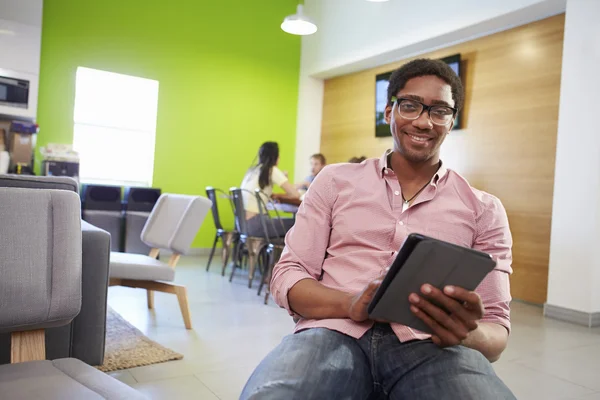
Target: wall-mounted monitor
<point>381,85</point>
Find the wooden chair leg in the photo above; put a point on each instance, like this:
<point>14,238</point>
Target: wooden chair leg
<point>225,252</point>
<point>267,294</point>
<point>27,346</point>
<point>150,295</point>
<point>237,249</point>
<point>164,287</point>
<point>173,260</point>
<point>181,293</point>
<point>271,264</point>
<point>225,261</point>
<point>154,253</point>
<point>252,262</point>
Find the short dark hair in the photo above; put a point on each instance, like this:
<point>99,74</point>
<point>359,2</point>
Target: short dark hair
<point>319,157</point>
<point>424,67</point>
<point>357,160</point>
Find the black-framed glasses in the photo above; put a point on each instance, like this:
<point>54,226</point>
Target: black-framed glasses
<point>412,109</point>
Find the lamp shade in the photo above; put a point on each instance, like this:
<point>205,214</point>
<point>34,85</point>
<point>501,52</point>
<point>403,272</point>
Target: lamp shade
<point>298,24</point>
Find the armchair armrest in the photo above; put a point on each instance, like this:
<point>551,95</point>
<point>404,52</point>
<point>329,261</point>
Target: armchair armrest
<point>90,326</point>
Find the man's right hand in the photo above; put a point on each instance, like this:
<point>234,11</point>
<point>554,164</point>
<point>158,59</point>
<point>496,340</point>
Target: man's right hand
<point>358,304</point>
<point>311,300</point>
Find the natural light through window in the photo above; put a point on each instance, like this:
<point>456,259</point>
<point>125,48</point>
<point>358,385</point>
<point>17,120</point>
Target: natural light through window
<point>115,127</point>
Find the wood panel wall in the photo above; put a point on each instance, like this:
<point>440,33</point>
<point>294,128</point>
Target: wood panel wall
<point>508,144</point>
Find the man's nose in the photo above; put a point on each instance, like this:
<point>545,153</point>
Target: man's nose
<point>423,122</point>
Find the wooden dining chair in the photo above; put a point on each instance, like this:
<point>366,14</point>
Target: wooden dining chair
<point>172,225</point>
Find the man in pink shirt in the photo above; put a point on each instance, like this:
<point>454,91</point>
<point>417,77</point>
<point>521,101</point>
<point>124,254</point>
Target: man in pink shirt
<point>353,220</point>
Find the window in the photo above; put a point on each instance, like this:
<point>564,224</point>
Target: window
<point>115,127</point>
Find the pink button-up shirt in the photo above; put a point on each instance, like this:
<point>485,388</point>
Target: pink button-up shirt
<point>351,225</point>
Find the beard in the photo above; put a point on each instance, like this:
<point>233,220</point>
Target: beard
<point>415,153</point>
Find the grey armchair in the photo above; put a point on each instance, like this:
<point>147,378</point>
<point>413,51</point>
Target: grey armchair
<point>84,337</point>
<point>172,225</point>
<point>40,288</point>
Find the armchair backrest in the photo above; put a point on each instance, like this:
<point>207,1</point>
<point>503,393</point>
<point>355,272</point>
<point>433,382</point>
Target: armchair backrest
<point>40,258</point>
<point>39,182</point>
<point>175,221</point>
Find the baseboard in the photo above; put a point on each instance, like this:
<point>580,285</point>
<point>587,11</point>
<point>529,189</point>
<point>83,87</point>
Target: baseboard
<point>590,320</point>
<point>595,319</point>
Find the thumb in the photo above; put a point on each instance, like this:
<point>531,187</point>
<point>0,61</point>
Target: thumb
<point>372,288</point>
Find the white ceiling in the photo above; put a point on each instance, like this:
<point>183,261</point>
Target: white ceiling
<point>355,35</point>
<point>28,12</point>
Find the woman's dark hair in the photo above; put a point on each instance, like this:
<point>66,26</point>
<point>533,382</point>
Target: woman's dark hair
<point>268,154</point>
<point>424,67</point>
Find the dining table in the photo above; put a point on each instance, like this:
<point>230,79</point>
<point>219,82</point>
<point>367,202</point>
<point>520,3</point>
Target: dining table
<point>284,203</point>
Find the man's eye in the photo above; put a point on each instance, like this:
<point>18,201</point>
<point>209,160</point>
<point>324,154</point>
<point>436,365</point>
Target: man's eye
<point>441,111</point>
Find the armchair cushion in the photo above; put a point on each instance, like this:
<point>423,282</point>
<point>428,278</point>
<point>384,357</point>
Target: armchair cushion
<point>139,267</point>
<point>61,379</point>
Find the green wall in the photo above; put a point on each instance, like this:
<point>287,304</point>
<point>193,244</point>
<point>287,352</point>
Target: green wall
<point>228,80</point>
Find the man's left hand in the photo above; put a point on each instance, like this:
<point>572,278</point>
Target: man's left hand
<point>465,310</point>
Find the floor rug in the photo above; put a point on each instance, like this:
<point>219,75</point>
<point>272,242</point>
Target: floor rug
<point>127,347</point>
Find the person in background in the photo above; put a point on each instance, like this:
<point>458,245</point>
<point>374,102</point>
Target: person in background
<point>349,227</point>
<point>264,175</point>
<point>357,160</point>
<point>317,163</point>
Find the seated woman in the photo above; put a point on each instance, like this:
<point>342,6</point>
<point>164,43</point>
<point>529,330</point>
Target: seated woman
<point>263,176</point>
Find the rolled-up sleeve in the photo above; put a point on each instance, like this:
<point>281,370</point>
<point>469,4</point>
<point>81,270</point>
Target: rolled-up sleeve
<point>306,243</point>
<point>494,238</point>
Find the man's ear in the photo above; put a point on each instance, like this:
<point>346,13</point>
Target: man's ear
<point>387,114</point>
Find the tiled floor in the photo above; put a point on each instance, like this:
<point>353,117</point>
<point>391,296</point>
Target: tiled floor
<point>233,331</point>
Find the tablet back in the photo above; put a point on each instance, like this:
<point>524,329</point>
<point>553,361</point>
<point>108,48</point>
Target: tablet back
<point>437,263</point>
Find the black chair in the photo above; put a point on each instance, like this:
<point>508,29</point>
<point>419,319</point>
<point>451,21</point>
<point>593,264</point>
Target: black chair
<point>228,238</point>
<point>102,207</point>
<point>138,205</point>
<point>275,245</point>
<point>247,245</point>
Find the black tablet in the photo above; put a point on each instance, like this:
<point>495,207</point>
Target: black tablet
<point>426,260</point>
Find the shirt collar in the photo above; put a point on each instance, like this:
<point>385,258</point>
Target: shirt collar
<point>383,162</point>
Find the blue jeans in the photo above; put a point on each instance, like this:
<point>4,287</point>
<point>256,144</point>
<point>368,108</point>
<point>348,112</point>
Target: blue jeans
<point>320,363</point>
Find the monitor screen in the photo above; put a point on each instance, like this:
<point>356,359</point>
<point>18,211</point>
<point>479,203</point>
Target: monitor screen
<point>381,85</point>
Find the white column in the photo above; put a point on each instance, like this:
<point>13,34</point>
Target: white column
<point>308,125</point>
<point>574,275</point>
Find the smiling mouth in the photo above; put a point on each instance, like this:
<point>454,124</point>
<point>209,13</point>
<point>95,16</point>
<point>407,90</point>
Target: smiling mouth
<point>420,139</point>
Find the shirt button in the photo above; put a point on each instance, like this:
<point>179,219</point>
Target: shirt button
<point>401,223</point>
<point>397,193</point>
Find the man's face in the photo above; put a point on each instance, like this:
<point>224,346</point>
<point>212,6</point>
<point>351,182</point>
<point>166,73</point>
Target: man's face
<point>419,140</point>
<point>315,166</point>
